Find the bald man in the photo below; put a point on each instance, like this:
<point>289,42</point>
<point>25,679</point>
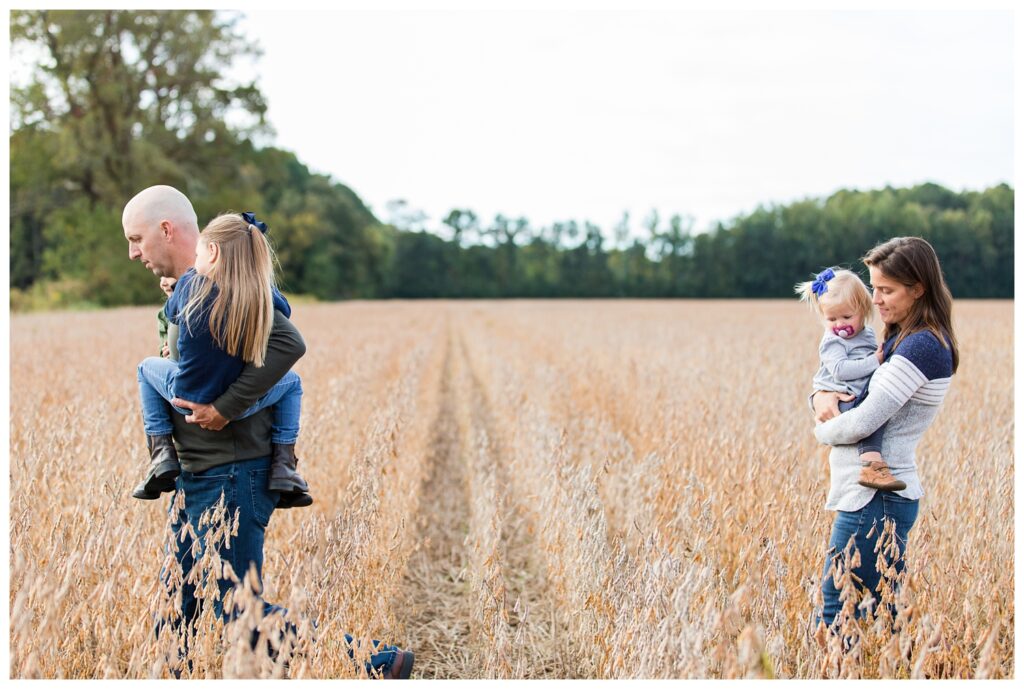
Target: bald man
<point>218,458</point>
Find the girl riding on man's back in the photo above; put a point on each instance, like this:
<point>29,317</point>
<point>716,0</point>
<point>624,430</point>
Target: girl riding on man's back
<point>224,308</point>
<point>849,355</point>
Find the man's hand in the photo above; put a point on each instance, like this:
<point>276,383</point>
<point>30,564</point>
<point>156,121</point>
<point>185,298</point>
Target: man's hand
<point>206,415</point>
<point>826,404</point>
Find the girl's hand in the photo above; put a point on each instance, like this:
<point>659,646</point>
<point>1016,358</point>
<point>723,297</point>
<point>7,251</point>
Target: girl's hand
<point>826,404</point>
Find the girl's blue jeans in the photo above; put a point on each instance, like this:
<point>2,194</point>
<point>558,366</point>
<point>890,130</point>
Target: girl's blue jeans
<point>156,389</point>
<point>243,485</point>
<point>885,506</point>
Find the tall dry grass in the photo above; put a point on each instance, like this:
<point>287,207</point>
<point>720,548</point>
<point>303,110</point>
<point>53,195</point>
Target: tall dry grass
<point>515,489</point>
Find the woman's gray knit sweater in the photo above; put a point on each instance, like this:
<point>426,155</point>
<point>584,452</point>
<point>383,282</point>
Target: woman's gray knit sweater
<point>907,391</point>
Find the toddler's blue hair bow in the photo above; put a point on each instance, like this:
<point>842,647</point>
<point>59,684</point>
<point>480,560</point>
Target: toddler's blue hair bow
<point>251,219</point>
<point>820,284</point>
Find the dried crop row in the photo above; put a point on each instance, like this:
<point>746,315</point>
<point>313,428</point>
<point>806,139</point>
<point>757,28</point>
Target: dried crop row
<point>623,610</point>
<point>353,562</point>
<point>763,536</point>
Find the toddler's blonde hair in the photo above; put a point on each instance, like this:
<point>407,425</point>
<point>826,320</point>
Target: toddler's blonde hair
<point>844,288</point>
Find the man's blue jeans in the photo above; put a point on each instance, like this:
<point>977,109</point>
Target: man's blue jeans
<point>156,390</point>
<point>884,506</point>
<point>244,487</point>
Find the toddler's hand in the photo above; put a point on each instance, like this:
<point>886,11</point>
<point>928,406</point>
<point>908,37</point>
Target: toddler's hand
<point>167,285</point>
<point>826,404</point>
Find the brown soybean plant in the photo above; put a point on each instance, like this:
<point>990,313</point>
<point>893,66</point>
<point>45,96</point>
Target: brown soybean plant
<point>560,489</point>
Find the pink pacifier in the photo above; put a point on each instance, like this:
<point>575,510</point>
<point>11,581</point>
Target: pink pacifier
<point>843,331</point>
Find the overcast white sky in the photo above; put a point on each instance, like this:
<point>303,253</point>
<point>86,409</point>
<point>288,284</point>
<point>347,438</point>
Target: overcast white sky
<point>558,115</point>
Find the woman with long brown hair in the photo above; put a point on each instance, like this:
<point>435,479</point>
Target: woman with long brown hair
<point>905,392</point>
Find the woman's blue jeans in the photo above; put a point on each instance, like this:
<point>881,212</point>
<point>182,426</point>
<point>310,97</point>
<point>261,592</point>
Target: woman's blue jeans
<point>156,390</point>
<point>884,506</point>
<point>244,487</point>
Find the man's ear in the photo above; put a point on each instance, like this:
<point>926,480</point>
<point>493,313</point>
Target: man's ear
<point>166,229</point>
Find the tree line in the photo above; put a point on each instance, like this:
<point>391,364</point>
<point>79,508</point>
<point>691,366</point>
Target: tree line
<point>760,254</point>
<point>119,100</point>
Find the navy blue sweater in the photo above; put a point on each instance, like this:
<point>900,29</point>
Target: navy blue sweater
<point>205,370</point>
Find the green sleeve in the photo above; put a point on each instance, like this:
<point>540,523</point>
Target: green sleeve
<point>161,329</point>
<point>286,346</point>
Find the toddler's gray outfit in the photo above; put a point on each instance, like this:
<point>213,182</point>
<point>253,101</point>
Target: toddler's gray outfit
<point>846,367</point>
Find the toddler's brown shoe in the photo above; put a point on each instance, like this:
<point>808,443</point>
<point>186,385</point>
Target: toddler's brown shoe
<point>878,476</point>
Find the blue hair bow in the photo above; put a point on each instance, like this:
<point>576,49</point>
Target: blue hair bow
<point>820,284</point>
<point>251,219</point>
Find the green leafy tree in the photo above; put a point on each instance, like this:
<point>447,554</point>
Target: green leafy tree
<point>133,96</point>
<point>120,100</point>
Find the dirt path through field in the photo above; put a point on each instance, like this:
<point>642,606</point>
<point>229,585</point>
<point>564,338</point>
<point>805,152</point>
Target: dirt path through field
<point>477,601</point>
<point>437,616</point>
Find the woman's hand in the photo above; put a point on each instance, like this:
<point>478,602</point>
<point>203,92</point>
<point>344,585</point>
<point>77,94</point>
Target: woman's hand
<point>826,404</point>
<point>880,353</point>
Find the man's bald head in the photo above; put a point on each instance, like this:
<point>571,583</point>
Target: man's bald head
<point>154,204</point>
<point>162,230</point>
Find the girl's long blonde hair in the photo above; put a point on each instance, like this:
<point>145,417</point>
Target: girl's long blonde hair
<point>242,312</point>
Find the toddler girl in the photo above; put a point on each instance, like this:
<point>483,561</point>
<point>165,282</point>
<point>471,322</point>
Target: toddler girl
<point>849,355</point>
<point>224,308</point>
